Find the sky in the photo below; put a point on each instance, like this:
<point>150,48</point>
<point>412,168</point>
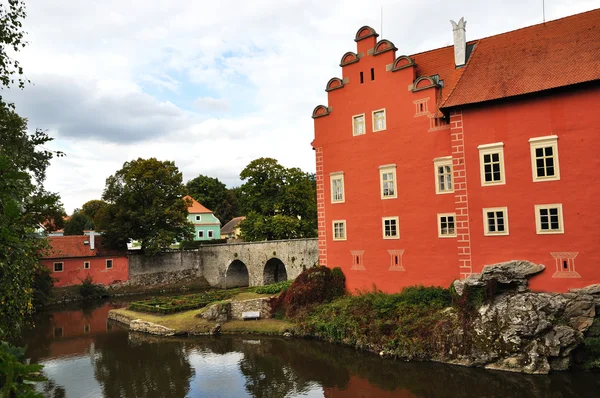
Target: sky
<point>212,85</point>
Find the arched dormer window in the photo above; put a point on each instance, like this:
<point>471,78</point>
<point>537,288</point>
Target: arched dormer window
<point>320,111</point>
<point>403,62</point>
<point>423,83</point>
<point>364,32</point>
<point>349,58</point>
<point>383,46</point>
<point>334,84</point>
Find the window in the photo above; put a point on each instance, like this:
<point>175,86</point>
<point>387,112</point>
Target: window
<point>362,80</point>
<point>379,120</point>
<point>58,332</point>
<point>491,160</point>
<point>357,260</point>
<point>544,158</point>
<point>339,230</point>
<point>372,73</point>
<point>201,234</point>
<point>109,264</point>
<point>58,267</point>
<point>387,176</point>
<point>198,218</point>
<point>86,328</point>
<point>337,187</point>
<point>421,107</point>
<point>390,228</point>
<point>495,221</point>
<point>565,265</point>
<point>443,175</point>
<point>210,234</point>
<point>396,260</point>
<point>437,123</point>
<point>549,219</point>
<point>86,265</point>
<point>447,225</point>
<point>358,124</point>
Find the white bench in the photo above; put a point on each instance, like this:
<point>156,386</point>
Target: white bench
<point>250,315</point>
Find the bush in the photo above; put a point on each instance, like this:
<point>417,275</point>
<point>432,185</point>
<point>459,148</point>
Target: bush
<point>273,288</point>
<point>89,290</point>
<point>17,379</point>
<point>314,286</point>
<point>42,286</point>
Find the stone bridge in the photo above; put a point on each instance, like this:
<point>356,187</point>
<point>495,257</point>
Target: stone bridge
<point>229,265</point>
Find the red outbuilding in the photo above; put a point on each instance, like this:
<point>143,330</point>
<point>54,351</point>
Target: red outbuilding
<point>432,165</point>
<point>72,258</point>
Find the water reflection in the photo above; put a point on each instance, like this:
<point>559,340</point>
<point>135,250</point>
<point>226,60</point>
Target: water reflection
<point>84,356</point>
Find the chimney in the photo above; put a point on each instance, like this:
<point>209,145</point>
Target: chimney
<point>460,42</point>
<point>92,236</point>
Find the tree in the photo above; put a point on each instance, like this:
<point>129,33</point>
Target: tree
<point>279,203</point>
<point>146,204</point>
<point>213,194</point>
<point>92,208</point>
<point>78,223</point>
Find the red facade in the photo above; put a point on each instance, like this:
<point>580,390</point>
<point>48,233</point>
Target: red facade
<point>512,133</point>
<point>72,258</point>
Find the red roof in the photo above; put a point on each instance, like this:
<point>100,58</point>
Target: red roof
<point>74,246</point>
<point>540,57</point>
<point>196,207</point>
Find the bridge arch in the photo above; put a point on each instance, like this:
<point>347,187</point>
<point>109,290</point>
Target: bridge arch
<point>274,271</point>
<point>237,275</point>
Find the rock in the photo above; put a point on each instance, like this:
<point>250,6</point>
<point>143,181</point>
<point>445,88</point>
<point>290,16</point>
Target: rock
<point>511,273</point>
<point>220,312</point>
<point>137,325</point>
<point>216,330</point>
<point>592,290</point>
<point>287,335</point>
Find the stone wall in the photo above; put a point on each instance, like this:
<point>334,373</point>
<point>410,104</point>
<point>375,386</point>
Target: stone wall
<point>164,267</point>
<point>261,305</point>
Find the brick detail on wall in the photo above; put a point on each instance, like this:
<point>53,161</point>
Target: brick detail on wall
<point>321,208</point>
<point>461,197</point>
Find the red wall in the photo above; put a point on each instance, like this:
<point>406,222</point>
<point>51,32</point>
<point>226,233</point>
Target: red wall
<point>409,143</point>
<point>73,272</point>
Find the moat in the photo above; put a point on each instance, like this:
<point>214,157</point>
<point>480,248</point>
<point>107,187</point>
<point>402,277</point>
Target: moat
<point>85,355</point>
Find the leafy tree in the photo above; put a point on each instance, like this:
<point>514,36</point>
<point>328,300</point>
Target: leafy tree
<point>78,223</point>
<point>213,194</point>
<point>11,37</point>
<point>92,208</point>
<point>146,204</point>
<point>280,203</point>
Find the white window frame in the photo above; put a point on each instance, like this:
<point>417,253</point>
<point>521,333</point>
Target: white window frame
<point>354,133</point>
<point>388,168</point>
<point>342,222</point>
<point>211,233</point>
<point>198,218</point>
<point>439,224</point>
<point>544,142</point>
<point>86,265</point>
<point>62,266</point>
<point>375,129</point>
<point>442,162</point>
<point>486,231</point>
<point>538,221</point>
<point>489,149</point>
<point>338,175</point>
<point>395,219</point>
<point>201,233</point>
<point>112,263</point>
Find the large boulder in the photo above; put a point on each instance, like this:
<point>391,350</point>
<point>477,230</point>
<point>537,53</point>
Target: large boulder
<point>512,274</point>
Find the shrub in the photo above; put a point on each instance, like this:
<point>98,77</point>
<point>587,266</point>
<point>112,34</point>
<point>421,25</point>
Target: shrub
<point>170,305</point>
<point>89,290</point>
<point>313,286</point>
<point>42,286</point>
<point>273,288</point>
<point>17,379</point>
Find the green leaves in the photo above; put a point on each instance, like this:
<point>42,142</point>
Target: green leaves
<point>17,379</point>
<point>214,195</point>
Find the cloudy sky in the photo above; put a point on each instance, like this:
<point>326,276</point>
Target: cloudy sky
<point>212,85</point>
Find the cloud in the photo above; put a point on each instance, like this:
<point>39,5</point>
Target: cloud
<point>212,104</point>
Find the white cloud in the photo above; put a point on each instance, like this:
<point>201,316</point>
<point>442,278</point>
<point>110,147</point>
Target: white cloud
<point>212,104</point>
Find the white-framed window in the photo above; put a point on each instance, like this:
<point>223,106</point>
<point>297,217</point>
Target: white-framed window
<point>86,265</point>
<point>544,158</point>
<point>443,175</point>
<point>495,221</point>
<point>379,122</point>
<point>491,162</point>
<point>390,228</point>
<point>446,225</point>
<point>549,219</point>
<point>387,179</point>
<point>201,234</point>
<point>337,187</point>
<point>109,264</point>
<point>210,234</point>
<point>198,218</point>
<point>358,124</point>
<point>339,230</point>
<point>86,328</point>
<point>59,266</point>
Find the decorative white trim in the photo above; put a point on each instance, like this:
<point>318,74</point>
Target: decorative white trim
<point>86,265</point>
<point>439,225</point>
<point>338,175</point>
<point>504,211</point>
<point>547,138</point>
<point>383,220</point>
<point>62,266</point>
<point>538,224</point>
<point>364,124</point>
<point>490,149</point>
<point>544,142</point>
<point>384,120</point>
<point>440,162</point>
<point>342,222</point>
<point>390,168</point>
<point>490,146</point>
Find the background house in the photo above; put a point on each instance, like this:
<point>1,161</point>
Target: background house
<point>231,230</point>
<point>72,258</point>
<point>206,225</point>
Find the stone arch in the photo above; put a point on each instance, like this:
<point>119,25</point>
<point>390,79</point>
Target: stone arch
<point>364,32</point>
<point>382,46</point>
<point>334,83</point>
<point>423,83</point>
<point>349,58</point>
<point>402,62</point>
<point>274,271</point>
<point>237,275</point>
<point>320,110</point>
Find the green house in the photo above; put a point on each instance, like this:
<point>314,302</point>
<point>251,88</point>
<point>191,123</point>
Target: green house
<point>206,225</point>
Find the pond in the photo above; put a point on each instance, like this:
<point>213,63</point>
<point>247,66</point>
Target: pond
<point>85,355</point>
